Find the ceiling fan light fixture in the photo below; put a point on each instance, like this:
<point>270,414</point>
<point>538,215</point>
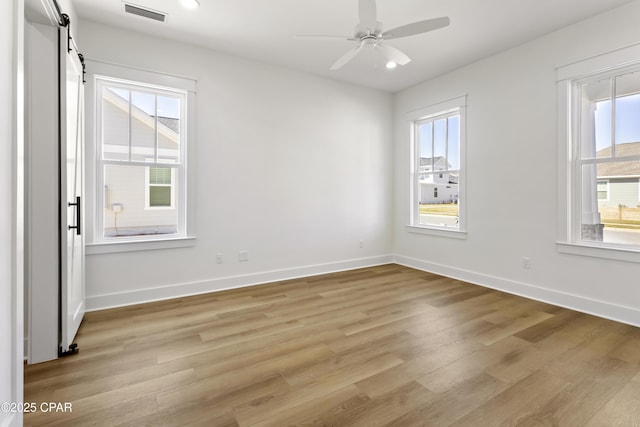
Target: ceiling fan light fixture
<point>190,4</point>
<point>370,35</point>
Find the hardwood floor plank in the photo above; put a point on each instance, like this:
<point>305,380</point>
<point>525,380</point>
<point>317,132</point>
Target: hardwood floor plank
<point>304,373</point>
<point>193,416</point>
<point>252,412</point>
<point>461,369</point>
<point>548,327</point>
<point>223,383</point>
<point>514,326</point>
<point>629,351</point>
<point>516,404</point>
<point>381,410</point>
<point>417,368</point>
<point>109,401</point>
<point>196,397</point>
<point>622,409</point>
<point>239,346</point>
<point>573,364</point>
<point>580,401</point>
<point>373,321</point>
<point>467,331</point>
<point>317,411</point>
<point>454,404</point>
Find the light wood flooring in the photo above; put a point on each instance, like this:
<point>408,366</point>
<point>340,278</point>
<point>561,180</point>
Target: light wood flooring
<point>386,345</point>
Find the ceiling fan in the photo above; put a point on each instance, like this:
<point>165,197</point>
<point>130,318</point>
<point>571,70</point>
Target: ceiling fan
<point>369,35</point>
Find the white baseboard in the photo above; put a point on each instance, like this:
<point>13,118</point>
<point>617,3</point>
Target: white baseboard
<point>607,310</point>
<point>101,302</point>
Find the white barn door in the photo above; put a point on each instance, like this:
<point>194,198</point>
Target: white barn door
<point>72,294</point>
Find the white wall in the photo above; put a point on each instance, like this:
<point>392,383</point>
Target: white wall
<point>512,175</point>
<point>6,183</point>
<point>11,328</point>
<point>293,168</point>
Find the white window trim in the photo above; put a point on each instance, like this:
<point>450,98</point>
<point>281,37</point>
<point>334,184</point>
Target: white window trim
<point>568,213</point>
<point>95,245</point>
<point>142,245</point>
<point>459,105</point>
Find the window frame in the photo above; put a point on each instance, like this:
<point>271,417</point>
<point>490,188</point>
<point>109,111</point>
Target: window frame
<point>178,168</point>
<point>453,107</point>
<point>568,77</point>
<point>94,205</point>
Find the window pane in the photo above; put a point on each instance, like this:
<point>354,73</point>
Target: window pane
<point>115,123</point>
<point>160,176</point>
<point>611,206</point>
<point>440,145</point>
<point>125,211</point>
<point>169,120</point>
<point>453,142</point>
<point>627,127</point>
<point>159,196</point>
<point>425,149</point>
<point>143,127</point>
<point>438,182</point>
<point>603,190</point>
<point>595,132</point>
<point>438,204</point>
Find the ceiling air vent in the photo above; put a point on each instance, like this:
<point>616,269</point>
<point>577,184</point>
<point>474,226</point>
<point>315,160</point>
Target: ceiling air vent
<point>144,12</point>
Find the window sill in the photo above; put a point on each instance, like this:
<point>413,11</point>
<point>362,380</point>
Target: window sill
<point>142,245</point>
<point>435,231</point>
<point>618,253</point>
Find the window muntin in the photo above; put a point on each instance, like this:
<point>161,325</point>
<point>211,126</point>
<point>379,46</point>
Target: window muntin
<point>607,158</point>
<point>141,175</point>
<point>437,168</point>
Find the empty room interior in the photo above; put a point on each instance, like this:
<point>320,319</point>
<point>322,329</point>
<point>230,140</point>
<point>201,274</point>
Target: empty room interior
<point>320,212</point>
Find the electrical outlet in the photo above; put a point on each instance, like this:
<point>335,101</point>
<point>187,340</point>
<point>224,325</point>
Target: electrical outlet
<point>243,256</point>
<point>362,243</point>
<point>526,263</point>
<point>219,258</point>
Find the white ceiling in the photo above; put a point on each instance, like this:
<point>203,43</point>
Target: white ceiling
<point>264,30</point>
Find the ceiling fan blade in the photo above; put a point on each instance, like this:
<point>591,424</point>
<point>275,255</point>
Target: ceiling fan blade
<point>368,15</point>
<point>416,28</point>
<point>346,58</point>
<point>393,54</point>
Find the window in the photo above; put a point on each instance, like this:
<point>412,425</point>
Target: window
<point>603,190</point>
<point>603,134</point>
<point>141,168</point>
<point>160,191</point>
<point>437,186</point>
